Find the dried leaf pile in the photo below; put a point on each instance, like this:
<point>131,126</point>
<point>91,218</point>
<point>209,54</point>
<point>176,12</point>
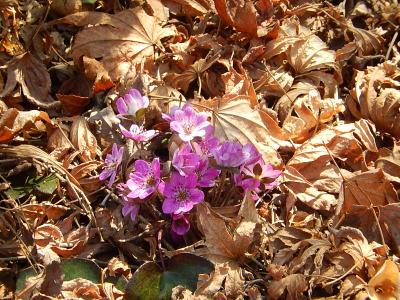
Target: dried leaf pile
<point>313,85</point>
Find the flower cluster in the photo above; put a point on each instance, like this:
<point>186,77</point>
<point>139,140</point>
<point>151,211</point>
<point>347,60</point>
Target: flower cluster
<point>201,168</point>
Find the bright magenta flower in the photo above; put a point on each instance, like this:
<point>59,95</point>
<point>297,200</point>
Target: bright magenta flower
<point>131,102</point>
<point>145,179</point>
<point>181,194</point>
<point>111,164</point>
<point>184,161</point>
<point>180,224</point>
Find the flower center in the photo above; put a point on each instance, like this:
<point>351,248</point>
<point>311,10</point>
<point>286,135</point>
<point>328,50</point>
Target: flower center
<point>181,195</point>
<point>150,180</point>
<point>187,127</point>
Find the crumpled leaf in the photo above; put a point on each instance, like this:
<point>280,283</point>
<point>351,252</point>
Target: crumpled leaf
<point>34,79</point>
<point>389,162</point>
<point>141,34</point>
<point>385,285</point>
<point>294,284</point>
<point>381,105</point>
<point>13,121</point>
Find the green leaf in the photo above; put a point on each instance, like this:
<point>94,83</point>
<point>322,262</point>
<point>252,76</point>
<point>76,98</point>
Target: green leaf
<point>23,276</point>
<point>88,1</point>
<point>47,185</point>
<point>18,192</point>
<point>80,268</point>
<point>150,282</point>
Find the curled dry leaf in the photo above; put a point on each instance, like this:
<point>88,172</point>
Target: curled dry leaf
<point>389,162</point>
<point>140,32</point>
<point>385,285</point>
<point>376,96</point>
<point>83,139</point>
<point>34,79</point>
<point>13,121</point>
<point>188,7</point>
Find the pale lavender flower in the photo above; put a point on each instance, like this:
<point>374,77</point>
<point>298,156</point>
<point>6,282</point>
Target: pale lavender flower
<point>229,154</point>
<point>129,206</point>
<point>207,144</point>
<point>145,179</point>
<point>184,161</point>
<point>251,154</point>
<point>205,175</point>
<point>188,123</point>
<point>181,194</point>
<point>180,224</point>
<point>131,102</point>
<point>111,164</point>
<point>137,133</point>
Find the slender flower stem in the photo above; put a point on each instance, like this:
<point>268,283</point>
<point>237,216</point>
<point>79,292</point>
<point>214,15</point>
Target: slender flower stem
<point>221,186</point>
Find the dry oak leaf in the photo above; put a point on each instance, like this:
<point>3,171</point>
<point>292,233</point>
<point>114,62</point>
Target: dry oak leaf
<point>376,96</point>
<point>385,285</point>
<point>34,79</point>
<point>13,121</point>
<point>235,119</point>
<point>221,244</point>
<point>83,139</point>
<point>240,14</point>
<point>120,40</point>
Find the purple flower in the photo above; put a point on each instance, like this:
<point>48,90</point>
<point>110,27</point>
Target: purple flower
<point>181,194</point>
<point>137,133</point>
<point>145,179</point>
<point>180,224</point>
<point>170,117</point>
<point>188,123</point>
<point>129,206</point>
<point>111,164</point>
<point>206,176</point>
<point>131,102</point>
<point>257,177</point>
<point>251,154</point>
<point>184,161</point>
<point>207,144</point>
<point>229,154</point>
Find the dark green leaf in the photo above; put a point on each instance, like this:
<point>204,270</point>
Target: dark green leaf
<point>145,283</point>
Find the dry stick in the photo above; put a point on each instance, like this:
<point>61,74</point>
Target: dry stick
<point>391,44</point>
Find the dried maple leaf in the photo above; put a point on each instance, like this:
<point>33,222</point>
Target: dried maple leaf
<point>34,79</point>
<point>121,40</point>
<point>385,285</point>
<point>294,284</point>
<point>376,96</point>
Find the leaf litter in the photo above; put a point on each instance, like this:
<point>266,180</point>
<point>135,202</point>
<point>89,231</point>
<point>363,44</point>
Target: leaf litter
<point>205,149</point>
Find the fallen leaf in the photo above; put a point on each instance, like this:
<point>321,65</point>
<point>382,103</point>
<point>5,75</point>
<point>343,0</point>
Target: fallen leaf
<point>385,285</point>
<point>34,79</point>
<point>294,284</point>
<point>13,121</point>
<point>83,139</point>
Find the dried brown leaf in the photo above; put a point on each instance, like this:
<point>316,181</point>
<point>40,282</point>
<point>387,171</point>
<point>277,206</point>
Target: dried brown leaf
<point>294,284</point>
<point>385,285</point>
<point>83,139</point>
<point>34,79</point>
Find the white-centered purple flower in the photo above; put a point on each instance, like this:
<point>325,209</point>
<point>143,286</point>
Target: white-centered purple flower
<point>207,144</point>
<point>131,102</point>
<point>145,179</point>
<point>181,194</point>
<point>188,123</point>
<point>137,133</point>
<point>111,164</point>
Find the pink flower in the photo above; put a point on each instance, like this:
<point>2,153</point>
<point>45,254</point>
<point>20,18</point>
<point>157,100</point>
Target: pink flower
<point>188,123</point>
<point>251,154</point>
<point>181,194</point>
<point>145,179</point>
<point>229,154</point>
<point>129,206</point>
<point>111,164</point>
<point>131,102</point>
<point>207,144</point>
<point>137,133</point>
<point>257,177</point>
<point>184,161</point>
<point>180,224</point>
<point>205,175</point>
